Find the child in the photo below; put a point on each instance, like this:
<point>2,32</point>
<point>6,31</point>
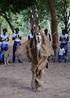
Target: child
<point>61,54</point>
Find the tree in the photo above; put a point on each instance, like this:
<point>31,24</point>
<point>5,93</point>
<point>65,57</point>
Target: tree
<point>62,12</point>
<point>1,19</point>
<point>52,9</point>
<point>15,6</point>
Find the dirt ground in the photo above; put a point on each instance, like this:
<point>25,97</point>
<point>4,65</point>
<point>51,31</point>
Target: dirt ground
<point>15,81</point>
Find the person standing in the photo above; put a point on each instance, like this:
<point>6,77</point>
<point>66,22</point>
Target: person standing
<point>64,38</point>
<point>4,43</point>
<point>39,62</point>
<point>47,35</point>
<point>49,44</point>
<point>17,42</point>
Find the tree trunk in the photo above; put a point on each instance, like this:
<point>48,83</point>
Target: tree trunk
<point>34,25</point>
<point>65,15</point>
<point>0,28</point>
<point>6,18</point>
<point>33,17</point>
<point>51,4</point>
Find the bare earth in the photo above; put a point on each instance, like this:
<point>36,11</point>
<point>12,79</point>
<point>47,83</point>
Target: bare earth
<point>15,81</point>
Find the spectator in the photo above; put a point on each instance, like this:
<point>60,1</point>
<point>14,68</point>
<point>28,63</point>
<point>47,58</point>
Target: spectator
<point>4,38</point>
<point>64,38</point>
<point>46,33</point>
<point>17,42</point>
<point>61,54</point>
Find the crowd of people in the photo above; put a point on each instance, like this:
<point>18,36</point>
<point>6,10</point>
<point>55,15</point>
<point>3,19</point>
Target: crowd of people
<point>16,37</point>
<point>4,44</point>
<point>39,49</point>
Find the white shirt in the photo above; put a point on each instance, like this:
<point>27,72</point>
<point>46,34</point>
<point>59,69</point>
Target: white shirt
<point>64,36</point>
<point>61,51</point>
<point>17,39</point>
<point>4,37</point>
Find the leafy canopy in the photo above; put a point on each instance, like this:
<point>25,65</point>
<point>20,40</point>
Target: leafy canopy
<point>15,5</point>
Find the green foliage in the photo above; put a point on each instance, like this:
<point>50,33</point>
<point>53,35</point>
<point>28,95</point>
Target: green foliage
<point>15,5</point>
<point>19,17</point>
<point>7,7</point>
<point>60,9</point>
<point>18,20</point>
<point>43,10</point>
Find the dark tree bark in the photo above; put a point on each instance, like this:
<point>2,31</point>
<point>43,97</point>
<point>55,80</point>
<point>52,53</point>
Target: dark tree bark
<point>0,23</point>
<point>65,14</point>
<point>0,28</point>
<point>51,4</point>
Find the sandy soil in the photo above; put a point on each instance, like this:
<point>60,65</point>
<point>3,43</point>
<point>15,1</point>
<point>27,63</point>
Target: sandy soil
<point>15,81</point>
